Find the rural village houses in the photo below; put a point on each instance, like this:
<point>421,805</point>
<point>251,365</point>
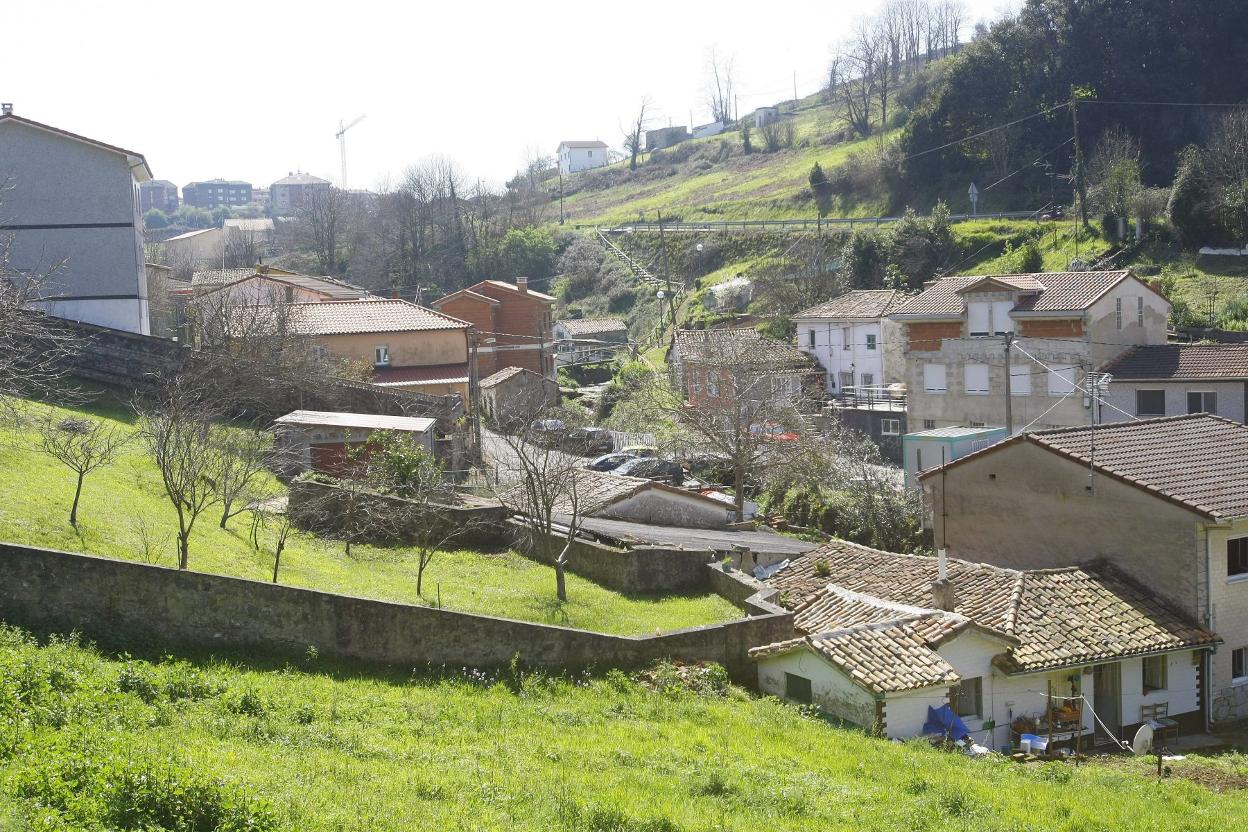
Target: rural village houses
<point>1164,501</point>
<point>584,340</point>
<point>513,323</point>
<point>853,339</point>
<point>709,363</point>
<point>1175,379</point>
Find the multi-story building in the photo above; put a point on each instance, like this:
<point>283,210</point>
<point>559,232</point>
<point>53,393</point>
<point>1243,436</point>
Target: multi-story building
<point>578,156</point>
<point>1176,379</point>
<point>719,366</point>
<point>1054,327</point>
<point>1163,500</point>
<point>216,192</point>
<point>513,323</point>
<point>160,194</point>
<point>291,191</point>
<point>853,340</point>
<point>71,204</point>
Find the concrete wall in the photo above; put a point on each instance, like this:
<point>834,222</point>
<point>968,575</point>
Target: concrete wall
<point>831,689</point>
<point>1232,398</point>
<point>425,348</point>
<point>45,588</point>
<point>1027,508</point>
<point>1229,600</point>
<point>53,182</point>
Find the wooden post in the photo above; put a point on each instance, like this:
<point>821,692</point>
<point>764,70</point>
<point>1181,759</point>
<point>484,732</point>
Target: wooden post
<point>1048,748</point>
<point>1079,730</point>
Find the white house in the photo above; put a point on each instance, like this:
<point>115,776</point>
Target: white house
<point>765,115</point>
<point>886,636</point>
<point>853,340</point>
<point>578,156</point>
<point>71,206</point>
<point>1177,379</point>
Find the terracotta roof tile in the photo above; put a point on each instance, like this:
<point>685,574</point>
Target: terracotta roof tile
<point>1166,362</point>
<point>591,326</point>
<point>1049,292</point>
<point>739,347</point>
<point>342,317</point>
<point>860,303</point>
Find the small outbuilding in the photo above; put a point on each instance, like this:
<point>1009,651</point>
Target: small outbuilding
<point>318,440</point>
<point>513,392</point>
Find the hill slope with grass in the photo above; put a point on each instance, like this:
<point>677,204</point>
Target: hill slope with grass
<point>92,740</point>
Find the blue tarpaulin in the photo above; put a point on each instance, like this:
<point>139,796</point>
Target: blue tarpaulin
<point>943,720</point>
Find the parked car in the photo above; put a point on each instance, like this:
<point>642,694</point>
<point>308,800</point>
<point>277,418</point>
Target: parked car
<point>640,450</point>
<point>589,441</point>
<point>710,466</point>
<point>649,468</point>
<point>609,462</point>
<point>1057,212</point>
<point>773,432</point>
<point>546,433</point>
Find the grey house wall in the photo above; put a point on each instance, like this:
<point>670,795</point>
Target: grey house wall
<point>40,587</point>
<point>1231,398</point>
<point>77,205</point>
<point>1026,508</point>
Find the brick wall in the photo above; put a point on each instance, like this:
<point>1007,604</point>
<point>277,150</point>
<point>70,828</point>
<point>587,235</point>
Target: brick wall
<point>46,588</point>
<point>926,336</point>
<point>1051,329</point>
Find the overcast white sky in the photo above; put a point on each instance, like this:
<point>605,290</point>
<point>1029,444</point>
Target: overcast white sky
<point>252,90</point>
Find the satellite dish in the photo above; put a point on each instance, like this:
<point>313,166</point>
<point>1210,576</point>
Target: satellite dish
<point>1143,740</point>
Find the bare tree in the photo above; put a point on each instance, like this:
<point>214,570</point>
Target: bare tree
<point>320,219</point>
<point>178,426</point>
<point>244,457</point>
<point>778,134</point>
<point>82,445</point>
<point>242,248</point>
<point>720,85</point>
<point>635,134</point>
<point>859,56</point>
<point>548,488</point>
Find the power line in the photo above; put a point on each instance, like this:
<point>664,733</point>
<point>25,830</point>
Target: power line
<point>983,133</point>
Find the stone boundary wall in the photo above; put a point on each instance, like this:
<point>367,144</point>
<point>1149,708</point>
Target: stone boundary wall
<point>48,588</point>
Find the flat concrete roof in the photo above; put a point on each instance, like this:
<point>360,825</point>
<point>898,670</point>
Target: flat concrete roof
<point>369,421</point>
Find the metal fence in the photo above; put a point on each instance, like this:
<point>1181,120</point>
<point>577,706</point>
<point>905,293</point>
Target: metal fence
<point>817,223</point>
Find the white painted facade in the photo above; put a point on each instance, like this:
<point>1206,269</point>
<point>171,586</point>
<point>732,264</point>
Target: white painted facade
<point>578,156</point>
<point>854,352</point>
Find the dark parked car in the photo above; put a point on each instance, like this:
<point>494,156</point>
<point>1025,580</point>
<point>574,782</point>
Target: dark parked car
<point>547,433</point>
<point>589,441</point>
<point>609,462</point>
<point>649,468</point>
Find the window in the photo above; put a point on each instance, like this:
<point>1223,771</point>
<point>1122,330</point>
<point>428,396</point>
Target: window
<point>1061,381</point>
<point>929,424</point>
<point>979,318</point>
<point>979,444</point>
<point>1139,311</point>
<point>1150,402</point>
<point>797,688</point>
<point>1202,401</point>
<point>697,386</point>
<point>810,339</point>
<point>1118,312</point>
<point>976,379</point>
<point>890,427</point>
<point>1239,665</point>
<point>847,380</point>
<point>847,339</point>
<point>967,697</point>
<point>1154,673</point>
<point>1237,556</point>
<point>934,378</point>
<point>1020,380</point>
<point>712,385</point>
<point>381,355</point>
<point>868,379</point>
<point>319,352</point>
<point>591,154</point>
<point>871,342</point>
<point>1001,320</point>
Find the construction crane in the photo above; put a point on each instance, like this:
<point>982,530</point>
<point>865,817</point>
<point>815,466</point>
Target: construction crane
<point>342,145</point>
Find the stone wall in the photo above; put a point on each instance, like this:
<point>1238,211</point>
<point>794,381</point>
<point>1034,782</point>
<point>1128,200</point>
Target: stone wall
<point>46,588</point>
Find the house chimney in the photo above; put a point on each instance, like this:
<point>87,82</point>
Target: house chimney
<point>522,283</point>
<point>6,109</point>
<point>944,595</point>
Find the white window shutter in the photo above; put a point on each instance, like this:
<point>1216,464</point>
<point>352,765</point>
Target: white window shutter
<point>934,378</point>
<point>1061,380</point>
<point>1020,380</point>
<point>978,314</point>
<point>1001,320</point>
<point>976,379</point>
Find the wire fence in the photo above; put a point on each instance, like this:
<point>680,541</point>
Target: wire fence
<point>816,223</point>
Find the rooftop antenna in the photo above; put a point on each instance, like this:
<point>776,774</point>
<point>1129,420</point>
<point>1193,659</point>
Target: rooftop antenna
<point>341,135</point>
<point>1095,383</point>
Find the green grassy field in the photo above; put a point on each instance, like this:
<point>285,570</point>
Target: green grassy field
<point>92,742</point>
<point>120,501</point>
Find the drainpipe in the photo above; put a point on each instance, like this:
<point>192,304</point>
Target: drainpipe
<point>1209,619</point>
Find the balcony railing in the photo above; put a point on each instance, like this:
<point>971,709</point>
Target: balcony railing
<point>869,398</point>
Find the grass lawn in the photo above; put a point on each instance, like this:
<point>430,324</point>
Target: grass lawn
<point>95,742</point>
<point>120,501</point>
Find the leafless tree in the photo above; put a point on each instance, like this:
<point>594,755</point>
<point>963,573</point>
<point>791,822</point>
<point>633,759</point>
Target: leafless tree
<point>82,445</point>
<point>242,248</point>
<point>860,57</point>
<point>777,134</point>
<point>720,85</point>
<point>320,220</point>
<point>548,488</point>
<point>244,458</point>
<point>178,425</point>
<point>151,546</point>
<point>635,134</point>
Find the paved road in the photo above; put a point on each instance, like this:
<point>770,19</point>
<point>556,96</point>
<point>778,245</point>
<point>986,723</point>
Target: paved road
<point>503,462</point>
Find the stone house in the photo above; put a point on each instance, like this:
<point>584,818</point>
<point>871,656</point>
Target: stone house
<point>408,347</point>
<point>712,366</point>
<point>1174,379</point>
<point>884,636</point>
<point>853,339</point>
<point>514,393</point>
<point>513,325</point>
<point>586,340</point>
<point>1163,500</point>
<point>314,440</point>
<point>74,201</point>
<point>662,137</point>
<point>1064,325</point>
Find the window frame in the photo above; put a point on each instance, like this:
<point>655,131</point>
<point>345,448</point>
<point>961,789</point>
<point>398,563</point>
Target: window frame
<point>1139,411</point>
<point>871,341</point>
<point>381,355</point>
<point>1118,313</point>
<point>973,311</point>
<point>1202,394</point>
<point>1139,310</point>
<point>1055,373</point>
<point>956,696</point>
<point>1237,558</point>
<point>847,338</point>
<point>810,338</point>
<point>1159,662</point>
<point>884,427</point>
<point>1240,653</point>
<point>1024,388</point>
<point>805,688</point>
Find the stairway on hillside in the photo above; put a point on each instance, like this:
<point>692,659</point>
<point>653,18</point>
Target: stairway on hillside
<point>639,271</point>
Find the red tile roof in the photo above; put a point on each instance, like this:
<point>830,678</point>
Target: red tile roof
<point>345,317</point>
<point>1048,292</point>
<point>1175,362</point>
<point>860,303</point>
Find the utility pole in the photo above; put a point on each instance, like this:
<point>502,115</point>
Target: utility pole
<point>561,196</point>
<point>1009,382</point>
<point>1081,187</point>
<point>474,393</point>
<point>667,275</point>
<point>795,91</point>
